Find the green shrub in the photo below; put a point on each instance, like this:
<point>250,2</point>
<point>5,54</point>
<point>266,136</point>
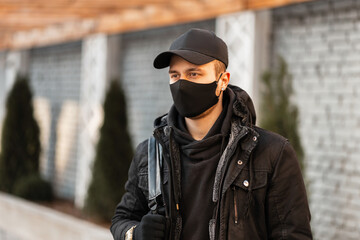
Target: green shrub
<point>278,113</point>
<point>20,145</point>
<point>113,157</point>
<point>34,188</point>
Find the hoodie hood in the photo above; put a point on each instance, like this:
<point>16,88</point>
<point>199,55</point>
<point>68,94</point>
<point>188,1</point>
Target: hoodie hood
<point>243,108</point>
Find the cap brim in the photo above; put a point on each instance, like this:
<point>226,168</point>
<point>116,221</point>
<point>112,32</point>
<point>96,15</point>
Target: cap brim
<point>163,59</point>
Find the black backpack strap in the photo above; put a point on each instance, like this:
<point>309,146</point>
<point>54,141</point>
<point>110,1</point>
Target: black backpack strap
<point>154,172</point>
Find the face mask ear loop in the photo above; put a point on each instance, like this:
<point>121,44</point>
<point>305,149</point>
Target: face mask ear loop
<point>219,78</point>
<point>217,82</point>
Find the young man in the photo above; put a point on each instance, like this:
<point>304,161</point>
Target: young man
<point>222,177</point>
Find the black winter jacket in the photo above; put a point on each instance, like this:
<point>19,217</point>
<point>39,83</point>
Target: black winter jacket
<point>259,190</point>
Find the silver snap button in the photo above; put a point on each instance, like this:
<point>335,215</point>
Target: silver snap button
<point>254,138</point>
<point>246,183</point>
<point>239,162</point>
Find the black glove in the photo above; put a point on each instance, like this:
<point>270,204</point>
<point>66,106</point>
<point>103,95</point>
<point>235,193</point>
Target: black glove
<point>151,227</point>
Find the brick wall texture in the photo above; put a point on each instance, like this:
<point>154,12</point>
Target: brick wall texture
<point>146,88</point>
<point>55,78</point>
<point>320,41</point>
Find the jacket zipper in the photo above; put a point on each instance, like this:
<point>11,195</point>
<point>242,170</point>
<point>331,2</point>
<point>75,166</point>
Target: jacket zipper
<point>235,206</point>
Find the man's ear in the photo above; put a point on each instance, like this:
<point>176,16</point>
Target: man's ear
<point>225,78</point>
<point>223,83</point>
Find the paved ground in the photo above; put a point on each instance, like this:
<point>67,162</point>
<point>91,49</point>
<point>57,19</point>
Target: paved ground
<point>25,220</point>
<point>7,236</point>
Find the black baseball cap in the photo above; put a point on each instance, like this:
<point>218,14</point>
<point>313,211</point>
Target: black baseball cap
<point>198,46</point>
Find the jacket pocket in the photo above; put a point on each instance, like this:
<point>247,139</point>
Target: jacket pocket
<point>247,201</point>
<point>248,190</point>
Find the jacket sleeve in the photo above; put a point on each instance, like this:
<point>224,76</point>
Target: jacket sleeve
<point>133,204</point>
<point>288,209</point>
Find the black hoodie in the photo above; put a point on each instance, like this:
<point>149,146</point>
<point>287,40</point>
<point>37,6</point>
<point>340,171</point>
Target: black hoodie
<point>199,160</point>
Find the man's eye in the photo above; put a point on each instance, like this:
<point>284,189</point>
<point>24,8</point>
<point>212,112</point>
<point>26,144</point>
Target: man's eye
<point>174,75</point>
<point>194,74</point>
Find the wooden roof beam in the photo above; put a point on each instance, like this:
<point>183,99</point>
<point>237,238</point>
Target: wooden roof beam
<point>54,4</point>
<point>261,4</point>
<point>129,19</point>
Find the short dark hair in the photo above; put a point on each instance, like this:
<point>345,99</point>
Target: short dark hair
<point>219,67</point>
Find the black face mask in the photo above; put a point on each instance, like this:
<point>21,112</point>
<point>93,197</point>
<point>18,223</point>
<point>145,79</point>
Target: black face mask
<point>191,99</point>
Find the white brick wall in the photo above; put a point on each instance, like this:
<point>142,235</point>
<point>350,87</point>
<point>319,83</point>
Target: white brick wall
<point>320,41</point>
<point>95,51</point>
<point>55,79</point>
<point>247,35</point>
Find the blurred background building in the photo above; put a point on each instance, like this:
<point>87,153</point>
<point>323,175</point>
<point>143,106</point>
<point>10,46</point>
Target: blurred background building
<point>72,49</point>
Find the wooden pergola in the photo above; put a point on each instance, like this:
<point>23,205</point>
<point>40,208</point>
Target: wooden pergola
<point>31,23</point>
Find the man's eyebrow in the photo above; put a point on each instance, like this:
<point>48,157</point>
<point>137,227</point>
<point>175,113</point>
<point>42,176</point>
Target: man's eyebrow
<point>188,70</point>
<point>172,71</point>
<point>194,69</point>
